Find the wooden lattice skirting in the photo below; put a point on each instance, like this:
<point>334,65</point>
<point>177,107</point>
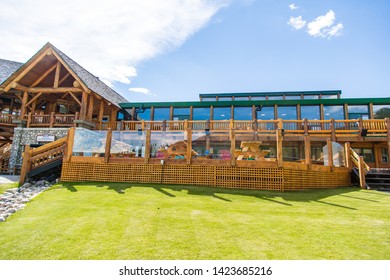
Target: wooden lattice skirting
<point>267,178</point>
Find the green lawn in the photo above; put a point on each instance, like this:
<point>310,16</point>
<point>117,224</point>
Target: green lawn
<point>143,221</point>
<point>4,187</point>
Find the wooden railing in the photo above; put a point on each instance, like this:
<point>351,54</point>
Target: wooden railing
<point>6,119</point>
<point>362,166</point>
<point>51,120</point>
<point>354,128</point>
<point>35,158</point>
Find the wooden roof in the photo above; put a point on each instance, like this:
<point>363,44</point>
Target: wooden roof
<point>38,71</point>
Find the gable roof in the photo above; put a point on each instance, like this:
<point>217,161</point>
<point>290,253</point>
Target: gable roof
<point>89,80</point>
<point>7,68</point>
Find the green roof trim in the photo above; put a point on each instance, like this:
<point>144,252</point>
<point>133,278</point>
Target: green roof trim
<point>273,93</point>
<point>265,103</point>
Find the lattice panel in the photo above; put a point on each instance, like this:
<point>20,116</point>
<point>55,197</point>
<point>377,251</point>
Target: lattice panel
<point>278,179</point>
<point>307,179</point>
<point>249,178</point>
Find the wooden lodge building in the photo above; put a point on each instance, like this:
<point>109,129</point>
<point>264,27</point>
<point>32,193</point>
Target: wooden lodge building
<point>54,112</point>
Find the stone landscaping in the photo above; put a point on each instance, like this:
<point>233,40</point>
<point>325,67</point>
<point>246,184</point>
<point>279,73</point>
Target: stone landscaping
<point>15,199</point>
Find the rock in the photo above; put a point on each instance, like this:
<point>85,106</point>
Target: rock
<point>2,219</point>
<point>11,210</point>
<point>26,185</point>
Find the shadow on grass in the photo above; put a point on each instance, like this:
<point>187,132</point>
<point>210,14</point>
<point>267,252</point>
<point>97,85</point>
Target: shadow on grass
<point>281,198</point>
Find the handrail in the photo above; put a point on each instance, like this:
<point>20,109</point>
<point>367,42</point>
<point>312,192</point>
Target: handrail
<point>362,167</point>
<point>34,158</point>
<point>6,118</point>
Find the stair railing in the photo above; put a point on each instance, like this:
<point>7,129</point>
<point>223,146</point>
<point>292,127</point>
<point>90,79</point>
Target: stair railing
<point>34,158</point>
<point>362,166</point>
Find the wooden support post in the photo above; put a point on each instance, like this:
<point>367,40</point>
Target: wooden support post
<point>360,129</point>
<point>362,173</point>
<point>51,119</point>
<point>307,149</point>
<point>333,130</point>
<point>305,127</point>
<point>189,146</point>
<point>70,143</point>
<point>185,126</point>
<point>279,147</point>
<point>330,152</point>
<point>231,124</point>
<point>108,145</point>
<point>232,147</point>
<point>29,119</point>
<point>348,159</point>
<point>90,107</point>
<point>25,165</point>
<point>388,135</point>
<point>114,111</point>
<point>57,75</point>
<point>147,146</point>
<point>23,106</point>
<point>83,109</point>
<point>11,107</point>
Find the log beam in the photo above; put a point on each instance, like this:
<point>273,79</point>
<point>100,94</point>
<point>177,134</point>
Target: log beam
<point>20,87</point>
<point>57,75</point>
<point>37,81</point>
<point>75,98</point>
<point>34,98</point>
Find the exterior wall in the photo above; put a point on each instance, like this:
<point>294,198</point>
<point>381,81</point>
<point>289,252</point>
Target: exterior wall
<point>24,136</point>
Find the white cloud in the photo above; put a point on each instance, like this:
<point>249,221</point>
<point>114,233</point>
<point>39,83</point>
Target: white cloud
<point>108,38</point>
<point>293,7</point>
<point>322,26</point>
<point>297,22</point>
<point>140,90</point>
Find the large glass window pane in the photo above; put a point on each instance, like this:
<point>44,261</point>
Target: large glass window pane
<point>241,98</point>
<point>221,113</point>
<point>357,111</point>
<point>257,97</point>
<point>266,113</point>
<point>201,114</point>
<point>127,144</point>
<point>161,114</point>
<point>381,111</point>
<point>310,112</point>
<point>89,142</point>
<point>329,96</point>
<point>142,114</point>
<point>243,113</point>
<point>292,97</point>
<point>367,153</point>
<point>208,98</point>
<point>335,112</point>
<point>166,145</point>
<point>287,112</point>
<point>213,145</point>
<point>310,97</point>
<point>273,97</point>
<point>225,98</point>
<point>180,114</point>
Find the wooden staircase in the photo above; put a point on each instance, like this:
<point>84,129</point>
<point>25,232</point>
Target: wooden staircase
<point>41,159</point>
<point>378,179</point>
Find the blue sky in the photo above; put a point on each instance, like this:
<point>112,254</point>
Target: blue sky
<point>173,50</point>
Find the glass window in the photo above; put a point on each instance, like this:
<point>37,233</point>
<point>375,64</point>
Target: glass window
<point>257,97</point>
<point>381,111</point>
<point>213,145</point>
<point>266,113</point>
<point>161,114</point>
<point>143,114</point>
<point>127,144</point>
<point>241,98</point>
<point>291,154</point>
<point>310,97</point>
<point>208,98</point>
<point>335,112</point>
<point>221,113</point>
<point>89,142</point>
<point>367,153</point>
<point>287,112</point>
<point>225,98</point>
<point>292,97</point>
<point>180,114</point>
<point>201,114</point>
<point>357,111</point>
<point>273,97</point>
<point>329,96</point>
<point>165,145</point>
<point>310,112</point>
<point>385,155</point>
<point>243,113</point>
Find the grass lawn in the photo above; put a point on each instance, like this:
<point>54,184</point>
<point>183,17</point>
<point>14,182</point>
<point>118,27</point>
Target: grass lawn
<point>4,187</point>
<point>144,221</point>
